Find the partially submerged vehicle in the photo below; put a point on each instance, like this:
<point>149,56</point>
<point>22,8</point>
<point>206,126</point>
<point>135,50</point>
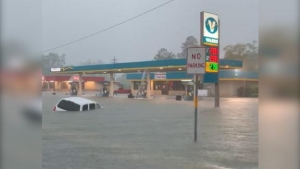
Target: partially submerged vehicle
<point>76,104</point>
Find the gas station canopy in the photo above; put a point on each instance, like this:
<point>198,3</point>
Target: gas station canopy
<point>130,67</point>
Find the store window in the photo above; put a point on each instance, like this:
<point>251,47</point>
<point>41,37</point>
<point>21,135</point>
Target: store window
<point>45,85</point>
<point>52,85</point>
<point>157,85</point>
<point>176,85</point>
<point>171,85</point>
<point>64,85</point>
<point>83,85</point>
<point>136,85</point>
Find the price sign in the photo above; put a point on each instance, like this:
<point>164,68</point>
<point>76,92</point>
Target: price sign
<point>213,51</point>
<point>212,67</point>
<point>212,60</point>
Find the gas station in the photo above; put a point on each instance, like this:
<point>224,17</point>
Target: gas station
<point>203,61</point>
<point>175,69</point>
<point>202,64</point>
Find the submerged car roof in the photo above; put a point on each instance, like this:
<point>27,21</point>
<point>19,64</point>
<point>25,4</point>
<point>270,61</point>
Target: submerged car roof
<point>79,100</point>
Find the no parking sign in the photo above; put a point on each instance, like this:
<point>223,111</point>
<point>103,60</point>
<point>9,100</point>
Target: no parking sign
<point>195,60</point>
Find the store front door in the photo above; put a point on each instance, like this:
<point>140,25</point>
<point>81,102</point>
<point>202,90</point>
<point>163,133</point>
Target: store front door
<point>165,89</point>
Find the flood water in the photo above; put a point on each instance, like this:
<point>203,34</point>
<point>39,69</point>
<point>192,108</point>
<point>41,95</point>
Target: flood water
<point>151,134</point>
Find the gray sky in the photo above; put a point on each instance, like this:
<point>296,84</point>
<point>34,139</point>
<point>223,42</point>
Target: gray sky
<point>140,39</point>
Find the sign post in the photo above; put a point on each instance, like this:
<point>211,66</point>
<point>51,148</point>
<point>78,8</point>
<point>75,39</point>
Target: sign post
<point>195,106</point>
<point>196,66</point>
<point>210,37</point>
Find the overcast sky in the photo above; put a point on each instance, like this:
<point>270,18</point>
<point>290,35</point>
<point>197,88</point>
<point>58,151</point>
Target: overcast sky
<point>140,39</point>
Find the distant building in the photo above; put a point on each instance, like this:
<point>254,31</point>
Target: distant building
<point>174,83</point>
<point>63,82</point>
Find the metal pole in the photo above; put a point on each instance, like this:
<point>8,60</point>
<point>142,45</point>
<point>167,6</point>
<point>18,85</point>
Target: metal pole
<point>217,95</point>
<point>244,87</point>
<point>195,105</point>
<point>217,85</point>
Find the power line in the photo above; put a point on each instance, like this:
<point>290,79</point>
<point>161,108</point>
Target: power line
<point>109,27</point>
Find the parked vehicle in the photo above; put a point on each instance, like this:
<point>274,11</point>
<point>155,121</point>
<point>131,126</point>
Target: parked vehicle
<point>122,90</point>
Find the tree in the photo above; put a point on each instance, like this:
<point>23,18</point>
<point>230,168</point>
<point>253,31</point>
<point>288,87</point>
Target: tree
<point>248,53</point>
<point>52,60</point>
<point>164,54</point>
<point>252,48</point>
<point>241,51</point>
<point>190,41</point>
<point>236,52</point>
<point>179,55</point>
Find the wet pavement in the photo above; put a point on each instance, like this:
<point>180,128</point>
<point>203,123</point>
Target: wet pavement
<point>151,134</point>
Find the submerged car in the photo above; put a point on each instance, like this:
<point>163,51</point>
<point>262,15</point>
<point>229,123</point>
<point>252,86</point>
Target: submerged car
<point>76,104</point>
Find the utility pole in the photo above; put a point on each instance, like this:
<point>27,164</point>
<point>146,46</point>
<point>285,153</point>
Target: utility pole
<point>114,60</point>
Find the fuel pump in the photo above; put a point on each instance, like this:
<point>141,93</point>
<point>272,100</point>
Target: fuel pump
<point>189,91</point>
<point>74,88</point>
<point>105,91</point>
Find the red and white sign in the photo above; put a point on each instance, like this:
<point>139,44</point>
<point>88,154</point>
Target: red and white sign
<point>195,60</point>
<point>75,78</point>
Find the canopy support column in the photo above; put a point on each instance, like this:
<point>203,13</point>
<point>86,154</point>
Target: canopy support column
<point>79,85</point>
<point>148,85</point>
<point>111,85</point>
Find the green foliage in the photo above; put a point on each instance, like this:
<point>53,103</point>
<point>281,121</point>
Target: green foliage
<point>248,53</point>
<point>241,51</point>
<point>164,54</point>
<point>190,41</point>
<point>52,60</point>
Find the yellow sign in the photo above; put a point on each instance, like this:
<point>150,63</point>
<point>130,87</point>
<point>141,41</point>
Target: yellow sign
<point>211,67</point>
<point>65,68</point>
